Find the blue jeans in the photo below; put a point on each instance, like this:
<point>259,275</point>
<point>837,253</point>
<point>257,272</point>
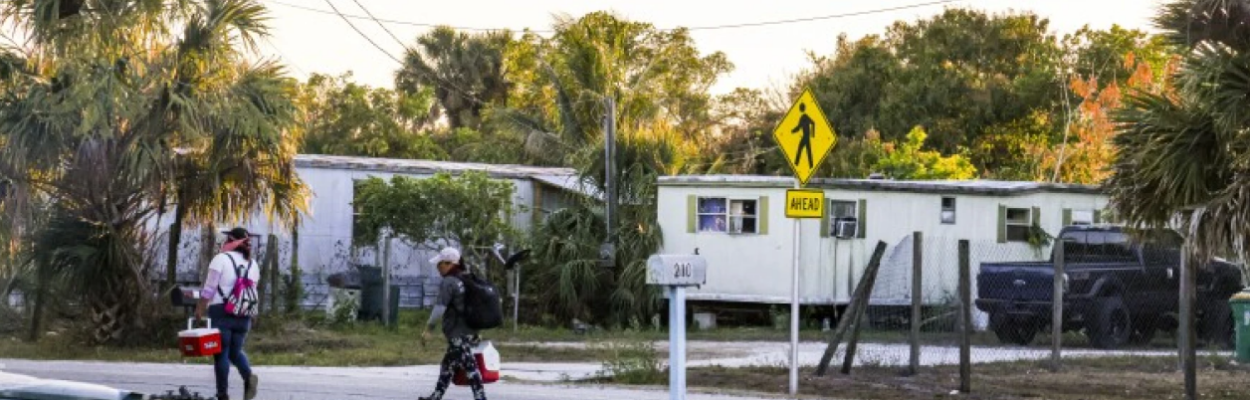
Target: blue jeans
<point>233,334</point>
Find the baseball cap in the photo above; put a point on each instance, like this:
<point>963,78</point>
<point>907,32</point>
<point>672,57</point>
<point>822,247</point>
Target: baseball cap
<point>447,254</point>
<point>236,233</point>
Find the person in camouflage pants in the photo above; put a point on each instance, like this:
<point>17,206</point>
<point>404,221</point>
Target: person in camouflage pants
<point>459,357</point>
<point>460,337</point>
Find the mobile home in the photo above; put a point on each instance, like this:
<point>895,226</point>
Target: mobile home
<point>738,224</point>
<point>325,235</point>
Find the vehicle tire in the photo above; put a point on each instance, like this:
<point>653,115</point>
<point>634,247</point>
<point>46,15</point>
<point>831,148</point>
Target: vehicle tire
<point>1018,331</point>
<point>1110,324</point>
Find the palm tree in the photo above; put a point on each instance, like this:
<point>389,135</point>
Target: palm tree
<point>466,72</point>
<point>112,112</point>
<point>1182,154</point>
<point>652,75</point>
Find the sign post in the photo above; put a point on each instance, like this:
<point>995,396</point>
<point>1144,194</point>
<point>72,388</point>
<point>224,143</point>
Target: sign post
<point>804,136</point>
<point>676,272</point>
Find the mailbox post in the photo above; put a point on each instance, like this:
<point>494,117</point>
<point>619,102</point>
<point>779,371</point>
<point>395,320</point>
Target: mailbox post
<point>676,272</point>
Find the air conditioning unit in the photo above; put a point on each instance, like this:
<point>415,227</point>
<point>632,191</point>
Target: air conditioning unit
<point>846,228</point>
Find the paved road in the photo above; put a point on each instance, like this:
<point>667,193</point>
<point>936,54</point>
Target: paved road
<point>297,383</point>
<point>289,383</point>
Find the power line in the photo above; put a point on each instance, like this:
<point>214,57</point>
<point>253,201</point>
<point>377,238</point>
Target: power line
<point>455,88</point>
<point>694,28</point>
<point>380,24</point>
<point>362,34</point>
<point>820,18</point>
<point>391,21</point>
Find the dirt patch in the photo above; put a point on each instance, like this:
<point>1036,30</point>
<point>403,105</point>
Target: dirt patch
<point>1094,379</point>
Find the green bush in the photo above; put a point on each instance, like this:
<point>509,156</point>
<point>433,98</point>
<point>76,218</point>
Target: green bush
<point>632,362</point>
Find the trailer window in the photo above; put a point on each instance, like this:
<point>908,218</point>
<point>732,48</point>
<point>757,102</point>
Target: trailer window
<point>712,214</point>
<point>723,215</point>
<point>1082,217</point>
<point>1019,220</point>
<point>742,215</point>
<point>948,210</point>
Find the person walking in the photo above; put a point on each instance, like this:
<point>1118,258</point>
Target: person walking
<point>229,295</point>
<point>460,337</point>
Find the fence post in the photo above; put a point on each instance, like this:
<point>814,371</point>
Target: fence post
<point>916,293</point>
<point>861,292</point>
<point>868,281</point>
<point>1188,353</point>
<point>965,318</point>
<point>1056,321</point>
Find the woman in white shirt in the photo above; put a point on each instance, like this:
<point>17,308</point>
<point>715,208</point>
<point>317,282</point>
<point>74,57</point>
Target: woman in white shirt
<point>234,260</point>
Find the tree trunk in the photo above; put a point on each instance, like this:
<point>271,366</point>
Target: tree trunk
<point>269,272</point>
<point>208,247</point>
<point>295,289</point>
<point>42,281</point>
<point>175,240</point>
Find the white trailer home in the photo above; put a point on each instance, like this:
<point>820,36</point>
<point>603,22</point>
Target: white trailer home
<point>325,235</point>
<point>739,224</point>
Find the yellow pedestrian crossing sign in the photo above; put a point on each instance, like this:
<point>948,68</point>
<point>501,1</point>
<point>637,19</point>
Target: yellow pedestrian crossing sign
<point>805,137</point>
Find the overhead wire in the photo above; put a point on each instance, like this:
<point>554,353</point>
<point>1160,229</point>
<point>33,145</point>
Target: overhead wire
<point>746,154</point>
<point>463,93</point>
<point>380,24</point>
<point>692,28</point>
<point>362,34</point>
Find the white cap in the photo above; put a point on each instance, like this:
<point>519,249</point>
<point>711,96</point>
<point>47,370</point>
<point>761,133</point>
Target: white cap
<point>446,254</point>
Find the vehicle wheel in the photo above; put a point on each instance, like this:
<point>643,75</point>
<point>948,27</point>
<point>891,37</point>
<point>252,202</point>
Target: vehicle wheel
<point>1110,324</point>
<point>1012,330</point>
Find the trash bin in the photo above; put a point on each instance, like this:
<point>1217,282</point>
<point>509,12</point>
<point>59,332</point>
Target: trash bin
<point>371,295</point>
<point>370,292</point>
<point>345,291</point>
<point>1241,318</point>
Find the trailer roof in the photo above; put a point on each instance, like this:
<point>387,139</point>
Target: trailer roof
<point>976,187</point>
<point>403,166</point>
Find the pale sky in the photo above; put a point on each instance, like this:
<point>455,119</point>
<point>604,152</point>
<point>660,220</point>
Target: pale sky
<point>309,41</point>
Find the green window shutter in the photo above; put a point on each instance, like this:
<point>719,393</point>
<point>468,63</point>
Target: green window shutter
<point>761,212</point>
<point>826,219</point>
<point>1002,224</point>
<point>1037,216</point>
<point>1067,217</point>
<point>863,218</point>
<point>692,210</point>
<point>1097,216</point>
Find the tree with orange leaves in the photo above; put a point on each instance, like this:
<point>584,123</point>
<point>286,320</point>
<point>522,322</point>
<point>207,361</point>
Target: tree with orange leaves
<point>1087,151</point>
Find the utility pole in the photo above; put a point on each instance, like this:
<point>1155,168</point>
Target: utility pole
<point>607,252</point>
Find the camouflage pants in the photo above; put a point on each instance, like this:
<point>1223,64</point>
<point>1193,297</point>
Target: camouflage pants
<point>459,356</point>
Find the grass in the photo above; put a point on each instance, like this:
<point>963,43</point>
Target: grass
<point>308,343</point>
<point>1120,378</point>
<point>315,342</point>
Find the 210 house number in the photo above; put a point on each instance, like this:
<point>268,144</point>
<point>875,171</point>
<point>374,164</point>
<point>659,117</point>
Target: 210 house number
<point>683,270</point>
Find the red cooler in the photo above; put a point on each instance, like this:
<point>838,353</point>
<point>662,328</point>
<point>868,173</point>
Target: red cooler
<point>487,364</point>
<point>199,342</point>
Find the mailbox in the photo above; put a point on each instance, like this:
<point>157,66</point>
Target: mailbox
<point>676,270</point>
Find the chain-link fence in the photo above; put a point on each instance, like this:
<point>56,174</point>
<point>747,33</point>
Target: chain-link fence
<point>320,257</point>
<point>982,308</point>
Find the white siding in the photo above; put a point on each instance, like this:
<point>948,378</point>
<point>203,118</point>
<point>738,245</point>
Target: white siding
<point>756,268</point>
<point>326,232</point>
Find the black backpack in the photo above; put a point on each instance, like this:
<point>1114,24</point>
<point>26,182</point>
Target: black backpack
<point>483,308</point>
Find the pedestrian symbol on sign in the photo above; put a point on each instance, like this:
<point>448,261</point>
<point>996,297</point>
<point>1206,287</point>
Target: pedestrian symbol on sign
<point>805,137</point>
<point>807,126</point>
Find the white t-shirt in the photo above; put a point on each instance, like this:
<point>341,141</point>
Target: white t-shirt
<point>226,270</point>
